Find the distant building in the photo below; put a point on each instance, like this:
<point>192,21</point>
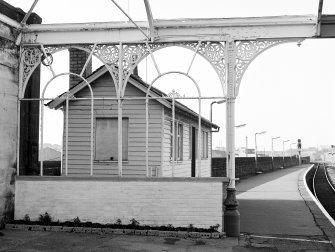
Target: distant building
<point>50,154</point>
<point>329,157</point>
<point>218,153</point>
<point>242,152</point>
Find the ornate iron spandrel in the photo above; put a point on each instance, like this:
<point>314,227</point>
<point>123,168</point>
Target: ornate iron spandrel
<point>213,52</point>
<point>247,51</point>
<point>31,58</point>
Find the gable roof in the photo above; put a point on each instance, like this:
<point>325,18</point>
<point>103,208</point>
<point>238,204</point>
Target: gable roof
<point>137,82</point>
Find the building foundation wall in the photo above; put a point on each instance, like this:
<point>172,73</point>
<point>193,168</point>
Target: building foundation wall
<point>161,201</point>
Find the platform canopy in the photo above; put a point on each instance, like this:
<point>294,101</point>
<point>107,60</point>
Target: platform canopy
<point>83,11</point>
<point>127,21</point>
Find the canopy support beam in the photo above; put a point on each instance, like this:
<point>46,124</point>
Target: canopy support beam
<point>173,31</point>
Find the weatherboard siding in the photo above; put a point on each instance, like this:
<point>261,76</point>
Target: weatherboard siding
<point>182,168</point>
<point>79,131</point>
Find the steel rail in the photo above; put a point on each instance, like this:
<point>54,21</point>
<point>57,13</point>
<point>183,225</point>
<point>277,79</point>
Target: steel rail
<point>330,184</point>
<point>327,206</point>
<point>314,192</point>
<point>317,202</point>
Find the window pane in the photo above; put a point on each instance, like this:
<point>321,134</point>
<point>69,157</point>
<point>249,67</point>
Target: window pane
<point>206,144</point>
<point>180,141</point>
<point>106,139</point>
<point>203,144</point>
<point>125,123</point>
<point>196,143</point>
<point>171,141</point>
<point>190,142</point>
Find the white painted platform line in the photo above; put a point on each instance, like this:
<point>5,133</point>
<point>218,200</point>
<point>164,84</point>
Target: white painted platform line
<point>289,239</point>
<point>316,201</point>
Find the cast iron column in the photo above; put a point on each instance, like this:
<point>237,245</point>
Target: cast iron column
<point>231,214</point>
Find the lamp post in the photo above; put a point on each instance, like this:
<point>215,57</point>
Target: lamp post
<point>211,110</point>
<point>273,138</point>
<point>211,116</point>
<point>246,146</point>
<point>291,149</point>
<point>240,126</point>
<point>258,133</point>
<point>284,151</point>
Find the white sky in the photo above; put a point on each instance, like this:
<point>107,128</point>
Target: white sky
<point>287,91</point>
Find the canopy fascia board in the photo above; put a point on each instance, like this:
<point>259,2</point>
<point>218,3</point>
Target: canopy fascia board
<point>173,30</point>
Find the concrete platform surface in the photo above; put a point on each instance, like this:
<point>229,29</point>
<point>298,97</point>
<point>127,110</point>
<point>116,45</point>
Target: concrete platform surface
<point>276,207</point>
<point>36,241</point>
<point>14,240</point>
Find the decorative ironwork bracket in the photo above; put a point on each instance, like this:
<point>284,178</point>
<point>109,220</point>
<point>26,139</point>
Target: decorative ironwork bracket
<point>247,51</point>
<point>213,52</point>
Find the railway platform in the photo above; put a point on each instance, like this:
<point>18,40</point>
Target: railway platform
<point>277,214</point>
<point>277,210</point>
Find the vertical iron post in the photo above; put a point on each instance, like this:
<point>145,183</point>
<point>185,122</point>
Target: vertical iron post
<point>231,220</point>
<point>173,137</point>
<point>120,110</point>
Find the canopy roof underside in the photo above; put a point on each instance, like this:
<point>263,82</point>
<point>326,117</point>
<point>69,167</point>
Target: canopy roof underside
<point>83,11</point>
<point>133,21</point>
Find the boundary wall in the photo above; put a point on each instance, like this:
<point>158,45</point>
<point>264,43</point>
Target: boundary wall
<point>246,166</point>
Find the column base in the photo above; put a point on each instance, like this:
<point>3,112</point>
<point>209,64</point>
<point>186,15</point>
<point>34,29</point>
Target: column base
<point>232,223</point>
<point>231,217</point>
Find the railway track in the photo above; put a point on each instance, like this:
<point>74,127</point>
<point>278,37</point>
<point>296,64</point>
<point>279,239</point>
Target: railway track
<point>323,190</point>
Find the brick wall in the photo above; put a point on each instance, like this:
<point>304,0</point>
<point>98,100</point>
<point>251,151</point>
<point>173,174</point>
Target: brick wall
<point>246,166</point>
<point>77,61</point>
<point>159,201</point>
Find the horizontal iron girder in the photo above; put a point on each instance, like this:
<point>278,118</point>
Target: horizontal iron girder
<point>173,30</point>
<point>327,29</point>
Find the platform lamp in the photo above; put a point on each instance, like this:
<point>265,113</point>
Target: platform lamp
<point>258,133</point>
<point>284,151</point>
<point>211,116</point>
<point>211,111</point>
<point>272,154</point>
<point>241,126</point>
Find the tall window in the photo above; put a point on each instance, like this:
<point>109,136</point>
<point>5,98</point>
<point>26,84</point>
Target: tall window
<point>178,136</point>
<point>190,142</point>
<point>106,139</point>
<point>204,140</point>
